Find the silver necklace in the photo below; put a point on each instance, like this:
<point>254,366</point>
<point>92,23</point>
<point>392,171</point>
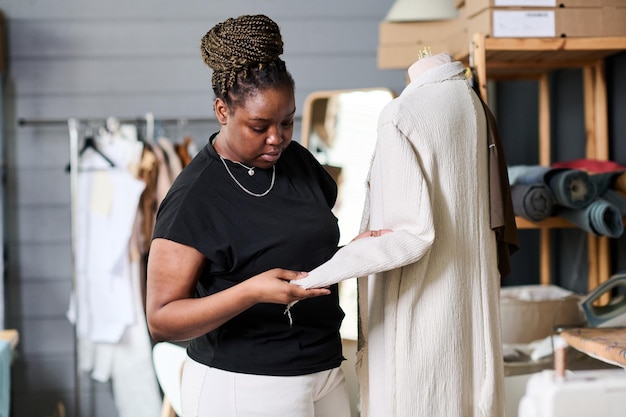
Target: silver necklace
<point>249,170</point>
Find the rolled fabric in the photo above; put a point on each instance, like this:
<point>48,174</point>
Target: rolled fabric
<point>600,218</point>
<point>620,183</point>
<point>534,202</point>
<point>617,199</point>
<point>605,181</point>
<point>571,188</point>
<point>527,174</point>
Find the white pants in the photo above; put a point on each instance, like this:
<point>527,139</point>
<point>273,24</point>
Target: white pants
<point>210,392</point>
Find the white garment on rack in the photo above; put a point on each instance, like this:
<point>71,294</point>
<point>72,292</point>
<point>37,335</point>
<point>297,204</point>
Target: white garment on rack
<point>114,343</point>
<point>107,205</point>
<point>128,363</point>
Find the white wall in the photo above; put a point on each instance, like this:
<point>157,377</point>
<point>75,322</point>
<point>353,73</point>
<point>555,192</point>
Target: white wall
<point>93,59</point>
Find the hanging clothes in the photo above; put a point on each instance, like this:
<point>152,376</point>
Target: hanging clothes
<point>173,160</point>
<point>182,150</point>
<point>106,308</point>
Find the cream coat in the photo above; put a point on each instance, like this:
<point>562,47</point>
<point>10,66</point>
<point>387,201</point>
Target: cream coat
<point>430,329</point>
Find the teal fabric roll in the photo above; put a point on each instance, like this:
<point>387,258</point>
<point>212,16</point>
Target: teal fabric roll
<point>600,218</point>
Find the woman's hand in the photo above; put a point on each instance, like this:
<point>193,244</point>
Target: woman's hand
<point>273,287</point>
<point>372,233</point>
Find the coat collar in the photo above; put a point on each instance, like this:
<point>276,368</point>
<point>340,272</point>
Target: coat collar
<point>453,70</point>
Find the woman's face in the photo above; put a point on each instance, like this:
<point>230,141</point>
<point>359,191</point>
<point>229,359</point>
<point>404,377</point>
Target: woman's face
<point>257,131</point>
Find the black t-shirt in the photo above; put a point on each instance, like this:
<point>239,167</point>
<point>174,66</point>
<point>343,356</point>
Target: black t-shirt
<point>241,235</point>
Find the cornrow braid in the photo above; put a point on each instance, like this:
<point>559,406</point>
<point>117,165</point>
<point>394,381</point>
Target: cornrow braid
<point>244,53</point>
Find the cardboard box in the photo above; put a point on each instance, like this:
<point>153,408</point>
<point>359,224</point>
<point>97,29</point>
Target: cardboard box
<point>400,42</point>
<point>401,56</point>
<point>549,23</point>
<point>403,33</point>
<point>614,20</point>
<point>529,312</point>
<point>475,6</point>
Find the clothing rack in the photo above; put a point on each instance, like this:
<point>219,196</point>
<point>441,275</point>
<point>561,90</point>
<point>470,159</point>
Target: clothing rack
<point>73,126</point>
<point>168,121</point>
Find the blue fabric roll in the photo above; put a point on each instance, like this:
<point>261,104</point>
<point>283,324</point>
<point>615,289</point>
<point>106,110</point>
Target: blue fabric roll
<point>527,174</point>
<point>600,218</point>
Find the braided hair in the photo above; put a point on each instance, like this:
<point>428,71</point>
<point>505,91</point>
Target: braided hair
<point>244,53</point>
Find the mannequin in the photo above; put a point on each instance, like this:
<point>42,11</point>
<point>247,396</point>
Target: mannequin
<point>428,62</point>
<point>429,331</point>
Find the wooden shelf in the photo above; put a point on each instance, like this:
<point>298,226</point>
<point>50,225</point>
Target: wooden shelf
<point>508,58</point>
<point>534,58</point>
<point>549,223</point>
<point>528,56</point>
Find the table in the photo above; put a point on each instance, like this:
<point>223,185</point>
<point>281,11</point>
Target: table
<point>605,344</point>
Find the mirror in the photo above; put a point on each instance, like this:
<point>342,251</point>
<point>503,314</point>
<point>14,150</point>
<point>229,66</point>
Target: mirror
<point>339,129</point>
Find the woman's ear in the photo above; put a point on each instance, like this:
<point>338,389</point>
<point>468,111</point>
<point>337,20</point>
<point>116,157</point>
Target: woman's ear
<point>221,111</point>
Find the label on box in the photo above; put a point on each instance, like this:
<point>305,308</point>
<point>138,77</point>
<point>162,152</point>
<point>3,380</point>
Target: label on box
<point>523,24</point>
<point>525,3</point>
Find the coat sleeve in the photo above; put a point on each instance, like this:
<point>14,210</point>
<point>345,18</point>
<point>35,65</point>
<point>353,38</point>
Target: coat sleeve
<point>398,199</point>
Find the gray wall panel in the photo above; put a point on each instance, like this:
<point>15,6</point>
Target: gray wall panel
<point>40,261</point>
<point>41,224</point>
<point>44,303</point>
<point>38,374</point>
<point>122,105</point>
<point>193,9</point>
<point>41,148</point>
<point>176,39</point>
<point>60,78</point>
<point>37,187</point>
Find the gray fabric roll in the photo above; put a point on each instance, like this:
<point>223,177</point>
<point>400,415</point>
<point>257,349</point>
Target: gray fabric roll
<point>534,202</point>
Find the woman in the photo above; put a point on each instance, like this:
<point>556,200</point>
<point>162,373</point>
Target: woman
<point>242,219</point>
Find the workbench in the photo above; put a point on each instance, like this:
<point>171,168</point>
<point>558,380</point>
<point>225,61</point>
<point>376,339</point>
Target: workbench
<point>605,344</point>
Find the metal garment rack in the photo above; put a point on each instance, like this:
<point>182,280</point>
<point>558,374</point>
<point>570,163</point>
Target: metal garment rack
<point>137,120</point>
<point>73,125</point>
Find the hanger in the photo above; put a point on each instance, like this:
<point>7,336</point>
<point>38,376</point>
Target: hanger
<point>90,143</point>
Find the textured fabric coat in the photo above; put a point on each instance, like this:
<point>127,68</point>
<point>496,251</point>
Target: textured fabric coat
<point>429,291</point>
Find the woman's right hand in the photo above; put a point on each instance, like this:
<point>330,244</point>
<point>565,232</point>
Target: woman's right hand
<point>273,287</point>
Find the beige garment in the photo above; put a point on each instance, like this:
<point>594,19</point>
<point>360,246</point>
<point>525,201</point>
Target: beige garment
<point>430,328</point>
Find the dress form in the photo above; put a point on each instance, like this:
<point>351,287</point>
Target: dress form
<point>424,64</point>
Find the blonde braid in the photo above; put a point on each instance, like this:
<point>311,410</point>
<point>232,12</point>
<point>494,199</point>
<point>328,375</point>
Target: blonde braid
<point>237,45</point>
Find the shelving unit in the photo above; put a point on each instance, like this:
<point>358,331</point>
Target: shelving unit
<point>535,58</point>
